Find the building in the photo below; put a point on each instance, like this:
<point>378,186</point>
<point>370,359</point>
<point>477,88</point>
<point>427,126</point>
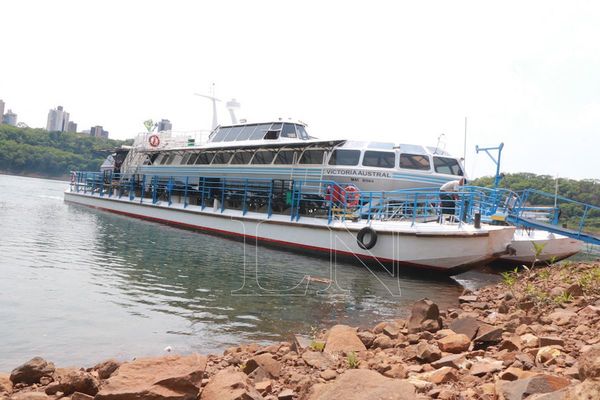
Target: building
<point>10,118</point>
<point>98,131</point>
<point>58,120</point>
<point>72,127</point>
<point>2,104</point>
<point>164,125</point>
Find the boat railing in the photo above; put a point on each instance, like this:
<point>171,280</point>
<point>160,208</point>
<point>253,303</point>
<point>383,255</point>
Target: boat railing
<point>295,198</point>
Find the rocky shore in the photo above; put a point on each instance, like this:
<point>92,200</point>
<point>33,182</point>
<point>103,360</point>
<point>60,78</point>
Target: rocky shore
<point>534,336</point>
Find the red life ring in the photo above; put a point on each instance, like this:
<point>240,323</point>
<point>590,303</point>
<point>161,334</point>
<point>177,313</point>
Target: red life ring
<point>154,140</point>
<point>352,195</point>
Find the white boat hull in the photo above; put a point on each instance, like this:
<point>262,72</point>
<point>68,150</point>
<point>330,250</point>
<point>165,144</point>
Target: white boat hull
<point>447,248</point>
<point>555,247</point>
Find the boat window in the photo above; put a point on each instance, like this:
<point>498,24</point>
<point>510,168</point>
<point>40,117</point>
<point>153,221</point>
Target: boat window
<point>185,159</point>
<point>242,157</point>
<point>205,158</point>
<point>380,159</point>
<point>263,157</point>
<point>220,135</point>
<point>274,131</point>
<point>414,161</point>
<point>344,157</point>
<point>170,160</point>
<point>285,157</point>
<point>289,131</point>
<point>246,132</point>
<point>445,165</point>
<point>312,157</point>
<point>163,160</point>
<point>233,133</point>
<point>302,132</point>
<point>260,131</point>
<point>193,158</point>
<point>221,157</point>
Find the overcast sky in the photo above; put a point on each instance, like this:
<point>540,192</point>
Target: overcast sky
<point>524,73</point>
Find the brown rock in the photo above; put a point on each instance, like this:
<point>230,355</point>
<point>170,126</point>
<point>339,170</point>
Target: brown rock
<point>366,337</point>
<point>81,396</point>
<point>5,384</point>
<point>318,360</point>
<point>428,353</point>
<point>468,326</point>
<point>488,334</point>
<point>106,368</point>
<point>521,388</point>
<point>29,396</point>
<point>397,371</point>
<point>423,311</point>
<point>467,299</point>
<point>453,361</point>
<point>31,372</point>
<point>392,330</point>
<point>382,342</point>
<point>357,384</point>
<point>562,317</point>
<point>454,343</point>
<point>551,340</point>
<point>328,374</point>
<point>266,362</point>
<point>342,338</point>
<point>480,368</point>
<point>228,384</point>
<point>300,343</point>
<point>574,290</point>
<point>510,344</point>
<point>287,394</point>
<point>170,377</point>
<point>589,363</point>
<point>586,390</point>
<point>512,374</point>
<point>69,381</point>
<point>528,340</point>
<point>264,387</point>
<point>442,375</point>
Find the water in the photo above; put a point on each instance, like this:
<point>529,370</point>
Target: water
<point>78,285</point>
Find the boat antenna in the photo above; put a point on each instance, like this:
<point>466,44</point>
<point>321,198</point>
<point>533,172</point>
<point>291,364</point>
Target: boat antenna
<point>214,104</point>
<point>437,146</point>
<point>465,148</point>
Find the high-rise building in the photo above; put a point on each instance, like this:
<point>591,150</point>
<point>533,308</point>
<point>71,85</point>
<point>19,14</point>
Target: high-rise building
<point>10,118</point>
<point>1,110</point>
<point>58,120</point>
<point>72,127</point>
<point>98,131</point>
<point>164,125</point>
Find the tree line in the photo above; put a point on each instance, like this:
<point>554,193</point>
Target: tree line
<point>51,154</point>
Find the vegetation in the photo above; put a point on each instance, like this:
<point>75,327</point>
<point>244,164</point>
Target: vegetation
<point>50,154</point>
<point>584,191</point>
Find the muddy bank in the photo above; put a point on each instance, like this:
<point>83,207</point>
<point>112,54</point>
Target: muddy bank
<point>532,336</point>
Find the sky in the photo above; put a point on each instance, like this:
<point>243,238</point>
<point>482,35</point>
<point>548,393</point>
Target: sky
<point>523,73</point>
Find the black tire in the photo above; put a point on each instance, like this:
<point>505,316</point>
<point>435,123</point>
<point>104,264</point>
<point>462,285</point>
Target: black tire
<point>361,236</point>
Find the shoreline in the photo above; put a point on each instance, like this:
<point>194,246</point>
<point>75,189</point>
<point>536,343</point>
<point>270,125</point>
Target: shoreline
<point>532,336</point>
<point>63,178</point>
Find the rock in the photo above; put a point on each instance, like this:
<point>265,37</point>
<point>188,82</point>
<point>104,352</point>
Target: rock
<point>229,384</point>
<point>528,340</point>
<point>264,387</point>
<point>170,377</point>
<point>342,338</point>
<point>397,371</point>
<point>551,340</point>
<point>31,372</point>
<point>456,343</point>
<point>589,363</point>
<point>5,384</point>
<point>81,396</point>
<point>483,367</point>
<point>488,334</point>
<point>266,362</point>
<point>328,374</point>
<point>366,337</point>
<point>442,375</point>
<point>468,326</point>
<point>287,394</point>
<point>423,311</point>
<point>467,299</point>
<point>300,343</point>
<point>316,359</point>
<point>420,385</point>
<point>69,381</point>
<point>521,388</point>
<point>359,384</point>
<point>574,290</point>
<point>512,374</point>
<point>428,353</point>
<point>586,390</point>
<point>382,342</point>
<point>510,344</point>
<point>562,317</point>
<point>106,368</point>
<point>392,330</point>
<point>546,355</point>
<point>29,396</point>
<point>453,361</point>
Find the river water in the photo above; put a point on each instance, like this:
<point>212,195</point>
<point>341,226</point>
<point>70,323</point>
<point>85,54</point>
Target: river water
<point>78,285</point>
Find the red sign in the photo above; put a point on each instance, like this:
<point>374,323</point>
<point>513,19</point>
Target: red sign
<point>154,140</point>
